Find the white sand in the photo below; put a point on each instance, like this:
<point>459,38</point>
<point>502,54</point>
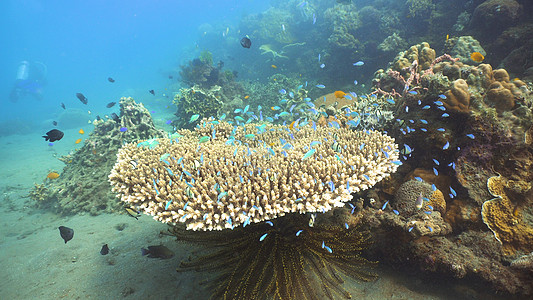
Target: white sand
<point>37,264</point>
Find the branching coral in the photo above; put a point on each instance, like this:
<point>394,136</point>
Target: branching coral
<point>287,260</point>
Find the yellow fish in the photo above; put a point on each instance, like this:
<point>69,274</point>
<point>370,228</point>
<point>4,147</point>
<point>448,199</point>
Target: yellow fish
<point>78,141</point>
<point>477,57</point>
<point>52,175</point>
<point>246,97</point>
<point>274,66</point>
<point>81,131</point>
<point>447,37</point>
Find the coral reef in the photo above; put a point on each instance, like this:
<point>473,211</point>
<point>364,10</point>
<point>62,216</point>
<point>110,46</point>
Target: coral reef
<point>507,215</point>
<point>215,177</point>
<point>285,260</point>
<point>197,100</point>
<point>462,47</point>
<point>83,186</point>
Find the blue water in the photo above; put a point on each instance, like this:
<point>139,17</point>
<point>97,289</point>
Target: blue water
<point>82,43</point>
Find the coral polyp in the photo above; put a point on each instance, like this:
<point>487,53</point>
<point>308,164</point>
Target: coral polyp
<point>282,259</point>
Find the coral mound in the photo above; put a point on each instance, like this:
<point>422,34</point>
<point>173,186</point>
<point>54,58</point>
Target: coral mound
<point>222,176</point>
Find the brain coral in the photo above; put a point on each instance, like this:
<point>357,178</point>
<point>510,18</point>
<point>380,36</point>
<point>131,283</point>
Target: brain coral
<point>408,192</point>
<point>220,176</point>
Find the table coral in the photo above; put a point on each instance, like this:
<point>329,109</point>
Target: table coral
<point>506,215</point>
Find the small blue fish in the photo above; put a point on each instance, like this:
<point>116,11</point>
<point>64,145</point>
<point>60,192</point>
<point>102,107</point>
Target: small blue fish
<point>270,223</point>
<point>359,63</point>
<point>424,129</point>
<point>263,237</point>
<point>291,94</point>
<point>355,82</point>
<point>222,117</point>
<point>194,118</point>
<point>391,101</point>
<point>471,136</point>
<point>237,111</point>
<point>453,191</point>
<point>441,108</point>
<point>283,91</point>
<point>446,146</point>
<point>441,129</point>
<point>436,172</point>
<point>314,143</point>
<point>168,204</point>
<point>419,178</point>
<point>298,232</point>
<point>384,205</point>
<point>430,229</point>
<point>433,187</point>
<point>314,19</point>
<point>413,92</point>
<point>445,115</point>
<point>309,154</point>
<point>396,212</point>
<point>397,162</point>
<point>353,123</point>
<point>348,97</point>
<point>442,96</point>
<point>275,108</point>
<point>410,229</point>
<point>328,248</point>
<point>322,66</point>
<point>318,57</point>
<point>436,162</point>
<point>346,225</point>
<point>439,103</point>
<point>426,107</point>
<point>423,121</point>
<point>320,86</point>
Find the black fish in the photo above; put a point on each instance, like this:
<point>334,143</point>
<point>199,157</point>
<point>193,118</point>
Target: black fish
<point>105,250</point>
<point>115,117</point>
<point>157,252</point>
<point>63,105</point>
<point>110,79</point>
<point>55,123</point>
<point>152,92</point>
<point>66,233</point>
<point>98,118</point>
<point>246,42</point>
<point>170,77</point>
<point>110,104</point>
<point>82,98</point>
<point>53,135</point>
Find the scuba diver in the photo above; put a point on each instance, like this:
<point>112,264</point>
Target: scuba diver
<point>29,82</point>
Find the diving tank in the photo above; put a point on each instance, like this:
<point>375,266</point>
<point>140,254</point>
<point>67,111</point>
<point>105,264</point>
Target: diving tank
<point>23,71</point>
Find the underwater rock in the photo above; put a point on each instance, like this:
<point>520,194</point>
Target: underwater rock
<point>83,184</point>
<point>496,15</point>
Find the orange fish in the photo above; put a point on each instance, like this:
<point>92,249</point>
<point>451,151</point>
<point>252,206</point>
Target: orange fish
<point>81,131</point>
<point>246,97</point>
<point>52,175</point>
<point>291,126</point>
<point>78,141</point>
<point>477,57</point>
<point>339,94</point>
<point>274,66</point>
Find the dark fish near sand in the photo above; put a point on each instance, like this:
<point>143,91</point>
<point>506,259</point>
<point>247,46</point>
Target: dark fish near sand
<point>63,105</point>
<point>82,98</point>
<point>55,123</point>
<point>152,92</point>
<point>110,79</point>
<point>66,233</point>
<point>110,104</point>
<point>115,117</point>
<point>246,42</point>
<point>105,250</point>
<point>157,252</point>
<point>53,135</point>
<point>132,212</point>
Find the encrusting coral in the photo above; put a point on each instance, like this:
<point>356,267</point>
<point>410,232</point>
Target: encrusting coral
<point>506,215</point>
<point>221,176</point>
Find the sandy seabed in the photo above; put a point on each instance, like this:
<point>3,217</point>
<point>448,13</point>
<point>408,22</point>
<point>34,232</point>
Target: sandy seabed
<point>37,264</point>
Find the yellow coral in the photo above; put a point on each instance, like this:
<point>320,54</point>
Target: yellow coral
<point>504,214</point>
